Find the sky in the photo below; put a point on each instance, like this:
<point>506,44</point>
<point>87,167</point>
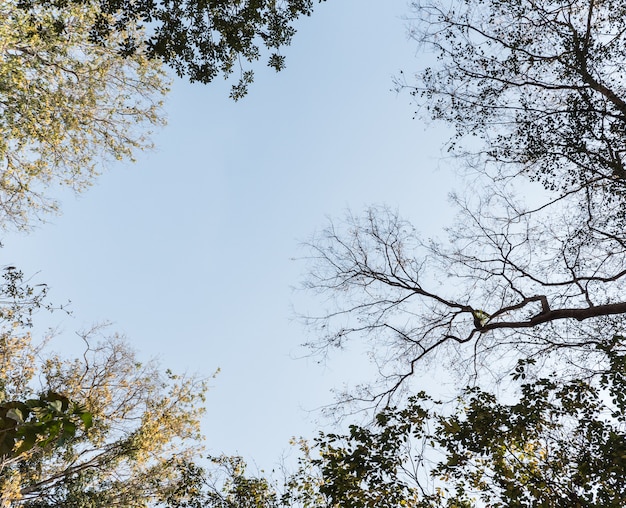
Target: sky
<point>192,252</point>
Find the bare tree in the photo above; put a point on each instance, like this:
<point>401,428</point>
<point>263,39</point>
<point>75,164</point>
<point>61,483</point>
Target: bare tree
<point>542,84</point>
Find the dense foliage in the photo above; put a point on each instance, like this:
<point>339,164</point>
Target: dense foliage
<point>67,105</point>
<point>197,38</point>
<point>558,444</point>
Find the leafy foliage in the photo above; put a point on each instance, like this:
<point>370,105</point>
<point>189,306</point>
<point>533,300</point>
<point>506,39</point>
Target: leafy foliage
<point>49,419</point>
<point>199,39</point>
<point>539,81</point>
<point>102,429</point>
<point>557,444</point>
<point>145,426</point>
<point>363,468</point>
<point>67,104</point>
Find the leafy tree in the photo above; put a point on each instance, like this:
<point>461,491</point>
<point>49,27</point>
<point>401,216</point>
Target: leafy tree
<point>67,104</point>
<point>199,39</point>
<point>539,82</point>
<point>554,444</point>
<point>102,429</point>
<point>145,427</point>
<point>558,444</point>
<point>530,285</point>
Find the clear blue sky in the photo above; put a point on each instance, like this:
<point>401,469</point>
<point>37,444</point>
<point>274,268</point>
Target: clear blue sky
<point>188,252</point>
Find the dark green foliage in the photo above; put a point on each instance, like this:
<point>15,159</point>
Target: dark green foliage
<point>200,39</point>
<point>47,420</point>
<point>557,444</point>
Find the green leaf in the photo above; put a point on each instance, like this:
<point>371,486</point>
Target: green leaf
<point>56,405</point>
<point>87,419</point>
<point>15,414</point>
<point>28,442</point>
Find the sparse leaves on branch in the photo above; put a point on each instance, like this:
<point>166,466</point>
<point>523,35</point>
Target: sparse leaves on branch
<point>536,92</point>
<point>541,83</point>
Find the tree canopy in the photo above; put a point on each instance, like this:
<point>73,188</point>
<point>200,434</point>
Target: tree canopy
<point>68,106</point>
<point>198,39</point>
<point>101,429</point>
<point>526,293</point>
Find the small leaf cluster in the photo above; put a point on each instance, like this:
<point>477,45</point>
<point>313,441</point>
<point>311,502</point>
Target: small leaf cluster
<point>50,419</point>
